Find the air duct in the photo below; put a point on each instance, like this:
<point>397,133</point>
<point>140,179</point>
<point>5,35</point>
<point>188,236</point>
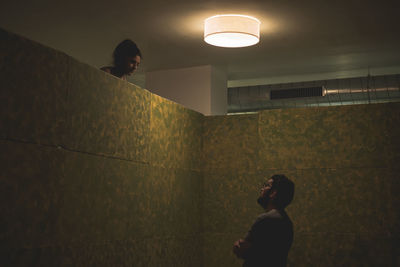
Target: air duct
<point>297,93</point>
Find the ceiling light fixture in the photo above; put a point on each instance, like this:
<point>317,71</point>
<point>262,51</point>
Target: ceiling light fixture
<point>232,30</point>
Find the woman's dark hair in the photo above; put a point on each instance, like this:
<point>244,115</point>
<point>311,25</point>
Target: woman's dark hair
<point>126,48</point>
<point>284,188</point>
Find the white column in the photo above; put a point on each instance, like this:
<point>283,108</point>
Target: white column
<point>202,88</point>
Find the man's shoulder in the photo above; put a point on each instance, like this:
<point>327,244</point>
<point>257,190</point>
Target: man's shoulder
<point>273,217</point>
<point>272,214</point>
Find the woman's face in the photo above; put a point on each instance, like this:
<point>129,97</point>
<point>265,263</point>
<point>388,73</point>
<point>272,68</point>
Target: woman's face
<point>131,64</point>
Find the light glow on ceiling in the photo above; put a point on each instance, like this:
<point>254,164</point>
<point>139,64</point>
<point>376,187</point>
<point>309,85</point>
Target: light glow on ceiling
<point>232,30</point>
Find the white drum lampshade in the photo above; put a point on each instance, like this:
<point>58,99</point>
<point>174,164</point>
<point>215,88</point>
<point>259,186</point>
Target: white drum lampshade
<point>231,30</point>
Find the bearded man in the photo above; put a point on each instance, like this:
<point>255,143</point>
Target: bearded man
<point>268,242</point>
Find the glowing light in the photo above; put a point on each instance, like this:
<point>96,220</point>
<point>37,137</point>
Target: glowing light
<point>232,30</point>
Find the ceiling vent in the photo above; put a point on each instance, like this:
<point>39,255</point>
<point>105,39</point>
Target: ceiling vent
<point>297,92</point>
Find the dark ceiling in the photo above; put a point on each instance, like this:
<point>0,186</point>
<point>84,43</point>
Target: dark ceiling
<point>299,39</point>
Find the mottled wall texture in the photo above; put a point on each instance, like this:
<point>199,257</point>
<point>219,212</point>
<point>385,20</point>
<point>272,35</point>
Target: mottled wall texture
<point>98,172</point>
<point>94,171</point>
<point>344,162</point>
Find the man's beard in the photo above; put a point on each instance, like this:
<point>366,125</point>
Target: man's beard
<point>263,201</point>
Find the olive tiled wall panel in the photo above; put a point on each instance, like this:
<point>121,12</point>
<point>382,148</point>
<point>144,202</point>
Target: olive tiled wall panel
<point>33,88</point>
<point>392,218</point>
<point>168,203</point>
<point>176,139</point>
<point>55,198</point>
<point>106,115</point>
<point>110,199</point>
<point>342,200</point>
<point>31,194</point>
<point>230,201</point>
<point>157,252</point>
<point>230,142</point>
<point>331,250</point>
<point>330,137</point>
<point>96,203</point>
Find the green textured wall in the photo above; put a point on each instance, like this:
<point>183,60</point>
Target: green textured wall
<point>231,180</point>
<point>95,171</point>
<point>98,172</point>
<point>344,162</point>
